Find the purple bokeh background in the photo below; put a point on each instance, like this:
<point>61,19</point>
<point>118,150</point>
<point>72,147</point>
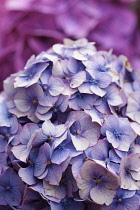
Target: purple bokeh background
<point>31,26</point>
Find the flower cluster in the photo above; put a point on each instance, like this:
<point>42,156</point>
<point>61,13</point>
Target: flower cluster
<point>31,26</point>
<point>69,132</point>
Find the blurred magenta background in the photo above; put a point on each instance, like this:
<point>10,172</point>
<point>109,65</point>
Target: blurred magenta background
<point>30,26</point>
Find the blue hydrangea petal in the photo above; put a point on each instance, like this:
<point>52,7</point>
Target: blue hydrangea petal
<point>21,152</point>
<point>58,192</point>
<point>55,86</point>
<point>102,195</point>
<point>60,155</point>
<point>27,175</point>
<point>78,79</point>
<point>100,150</point>
<point>79,142</point>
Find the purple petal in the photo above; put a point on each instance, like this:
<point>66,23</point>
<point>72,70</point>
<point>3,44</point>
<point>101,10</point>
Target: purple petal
<point>102,195</point>
<point>58,192</point>
<point>76,166</point>
<point>48,128</point>
<point>22,101</point>
<point>13,197</point>
<point>111,138</point>
<point>85,187</point>
<point>27,175</point>
<point>79,142</point>
<point>60,155</point>
<point>130,164</point>
<point>41,161</point>
<point>78,79</point>
<point>27,132</point>
<point>97,90</point>
<point>85,88</point>
<point>100,150</point>
<point>103,79</point>
<point>59,130</point>
<point>95,115</point>
<point>111,122</point>
<point>56,86</point>
<point>35,92</point>
<point>3,143</point>
<point>2,196</point>
<point>21,152</point>
<point>54,175</point>
<point>90,168</point>
<point>5,118</point>
<point>114,97</point>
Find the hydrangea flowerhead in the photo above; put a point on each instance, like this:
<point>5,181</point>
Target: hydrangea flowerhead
<point>66,131</point>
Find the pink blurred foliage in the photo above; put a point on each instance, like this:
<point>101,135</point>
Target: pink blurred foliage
<point>31,26</point>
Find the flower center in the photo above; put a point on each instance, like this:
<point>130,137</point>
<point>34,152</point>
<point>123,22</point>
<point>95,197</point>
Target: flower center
<point>103,68</point>
<point>7,187</point>
<point>107,161</point>
<point>104,98</point>
<point>7,136</point>
<point>66,202</point>
<point>127,171</point>
<point>31,163</point>
<point>34,101</point>
<point>78,132</point>
<point>50,139</point>
<point>10,115</point>
<point>117,133</point>
<point>61,146</point>
<point>97,180</point>
<point>55,109</point>
<point>93,81</point>
<point>49,163</point>
<point>67,79</point>
<point>79,95</point>
<point>30,76</point>
<point>119,200</point>
<point>128,64</point>
<point>86,158</point>
<point>45,87</point>
<point>63,181</point>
